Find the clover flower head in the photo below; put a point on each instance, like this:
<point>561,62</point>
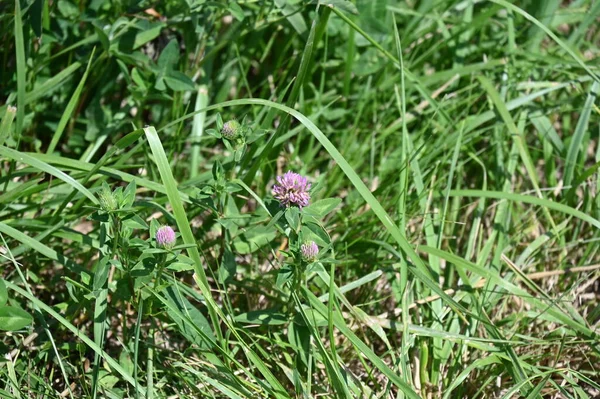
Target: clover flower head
<point>231,129</point>
<point>165,237</point>
<point>108,202</point>
<point>310,251</point>
<point>292,189</point>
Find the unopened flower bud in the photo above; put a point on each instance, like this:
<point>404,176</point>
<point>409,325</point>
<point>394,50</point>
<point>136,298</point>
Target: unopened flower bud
<point>108,202</point>
<point>231,129</point>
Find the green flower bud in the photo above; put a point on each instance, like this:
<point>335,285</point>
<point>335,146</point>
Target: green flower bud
<point>231,129</point>
<point>108,202</point>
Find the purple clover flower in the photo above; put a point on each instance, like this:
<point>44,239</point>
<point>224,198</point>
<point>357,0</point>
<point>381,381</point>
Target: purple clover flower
<point>310,251</point>
<point>292,189</point>
<point>165,237</point>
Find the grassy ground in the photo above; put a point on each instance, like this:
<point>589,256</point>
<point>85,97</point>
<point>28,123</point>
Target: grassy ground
<point>453,151</point>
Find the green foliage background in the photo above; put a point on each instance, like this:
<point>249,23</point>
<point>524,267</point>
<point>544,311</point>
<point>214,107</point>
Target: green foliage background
<point>453,151</point>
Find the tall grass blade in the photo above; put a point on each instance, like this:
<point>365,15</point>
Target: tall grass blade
<point>580,130</point>
<point>558,41</point>
<point>64,119</point>
<point>33,160</point>
<point>21,70</point>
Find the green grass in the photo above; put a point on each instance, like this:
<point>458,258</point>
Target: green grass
<point>453,151</point>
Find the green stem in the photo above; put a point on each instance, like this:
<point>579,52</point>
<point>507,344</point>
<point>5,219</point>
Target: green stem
<point>161,266</point>
<point>298,265</point>
<point>136,346</point>
<point>162,260</point>
<point>150,366</point>
<point>115,242</point>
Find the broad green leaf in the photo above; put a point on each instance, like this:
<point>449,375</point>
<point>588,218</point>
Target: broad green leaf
<point>284,274</point>
<point>295,19</point>
<point>68,9</point>
<point>184,306</point>
<point>178,81</point>
<point>169,56</point>
<point>12,318</point>
<point>227,268</point>
<point>267,317</point>
<point>292,215</point>
<point>236,11</point>
<point>322,207</point>
<point>253,239</point>
<point>147,33</point>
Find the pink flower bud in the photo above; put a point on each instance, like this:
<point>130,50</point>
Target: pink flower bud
<point>165,237</point>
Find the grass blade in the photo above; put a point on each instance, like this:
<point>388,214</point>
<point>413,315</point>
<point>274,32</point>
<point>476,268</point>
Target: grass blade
<point>361,346</point>
<point>51,84</point>
<point>528,200</point>
<point>543,27</point>
<point>182,221</point>
<point>580,130</point>
<point>70,108</point>
<point>44,167</point>
<point>517,138</point>
<point>21,69</point>
<point>198,128</point>
<point>514,290</point>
